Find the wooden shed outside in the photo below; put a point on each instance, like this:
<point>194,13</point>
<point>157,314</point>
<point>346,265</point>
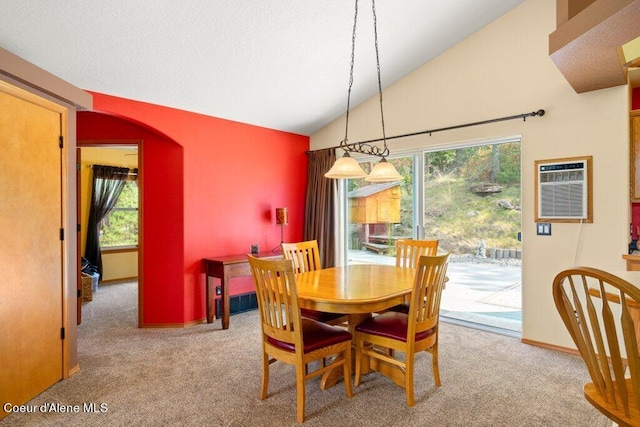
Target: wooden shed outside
<point>375,204</point>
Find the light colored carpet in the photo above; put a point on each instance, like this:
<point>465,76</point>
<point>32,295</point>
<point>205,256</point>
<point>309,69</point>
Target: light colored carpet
<point>205,376</point>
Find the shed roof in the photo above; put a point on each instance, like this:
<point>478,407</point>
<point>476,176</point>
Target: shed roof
<point>368,190</point>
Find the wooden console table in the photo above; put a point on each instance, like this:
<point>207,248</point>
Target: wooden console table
<point>225,268</point>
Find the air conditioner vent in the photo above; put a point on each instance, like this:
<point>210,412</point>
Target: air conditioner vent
<point>562,190</point>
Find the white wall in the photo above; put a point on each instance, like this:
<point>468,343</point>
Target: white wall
<point>503,70</point>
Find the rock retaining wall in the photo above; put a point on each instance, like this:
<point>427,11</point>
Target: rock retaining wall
<point>504,253</point>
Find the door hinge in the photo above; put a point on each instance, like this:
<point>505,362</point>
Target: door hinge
<point>61,141</point>
<point>79,293</point>
<point>62,234</point>
<point>62,333</point>
<point>78,228</point>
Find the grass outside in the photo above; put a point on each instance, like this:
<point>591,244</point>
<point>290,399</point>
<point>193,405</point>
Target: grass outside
<point>460,218</point>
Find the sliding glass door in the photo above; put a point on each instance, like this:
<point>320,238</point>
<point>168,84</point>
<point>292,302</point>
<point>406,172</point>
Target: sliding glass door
<point>467,198</point>
<point>472,199</point>
<point>380,213</point>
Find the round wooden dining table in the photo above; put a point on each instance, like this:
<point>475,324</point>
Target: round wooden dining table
<point>357,290</point>
<point>354,289</point>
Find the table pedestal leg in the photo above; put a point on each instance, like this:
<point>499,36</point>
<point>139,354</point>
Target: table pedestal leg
<point>330,378</point>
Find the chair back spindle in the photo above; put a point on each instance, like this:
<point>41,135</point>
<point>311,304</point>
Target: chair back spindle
<point>277,299</point>
<point>601,313</point>
<point>304,255</point>
<point>408,251</point>
<point>291,339</point>
<point>431,273</point>
<point>410,331</point>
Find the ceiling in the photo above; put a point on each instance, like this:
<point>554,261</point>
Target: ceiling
<point>280,64</point>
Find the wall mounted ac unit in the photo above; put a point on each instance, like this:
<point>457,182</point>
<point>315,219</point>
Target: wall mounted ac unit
<point>563,190</point>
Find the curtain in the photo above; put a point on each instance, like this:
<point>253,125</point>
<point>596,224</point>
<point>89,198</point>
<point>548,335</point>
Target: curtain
<point>108,182</point>
<point>319,218</point>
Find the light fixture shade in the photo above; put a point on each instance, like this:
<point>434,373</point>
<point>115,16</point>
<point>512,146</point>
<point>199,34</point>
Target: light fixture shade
<point>282,216</point>
<point>345,168</point>
<point>384,172</point>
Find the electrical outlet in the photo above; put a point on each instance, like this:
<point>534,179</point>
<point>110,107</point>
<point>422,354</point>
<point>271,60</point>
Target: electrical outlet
<point>543,228</point>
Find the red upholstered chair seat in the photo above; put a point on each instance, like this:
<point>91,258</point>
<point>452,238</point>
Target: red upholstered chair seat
<point>315,335</point>
<point>391,325</point>
<point>292,339</point>
<point>378,337</point>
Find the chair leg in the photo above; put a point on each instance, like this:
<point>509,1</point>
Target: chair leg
<point>436,370</point>
<point>346,371</point>
<point>300,385</point>
<point>265,376</point>
<point>358,362</point>
<point>408,380</point>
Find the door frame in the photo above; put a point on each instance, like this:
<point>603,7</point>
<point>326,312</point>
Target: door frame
<point>114,143</point>
<point>65,335</point>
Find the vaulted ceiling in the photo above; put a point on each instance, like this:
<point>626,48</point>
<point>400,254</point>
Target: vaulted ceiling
<point>281,64</point>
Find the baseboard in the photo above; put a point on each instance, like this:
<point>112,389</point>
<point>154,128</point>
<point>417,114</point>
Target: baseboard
<point>551,346</point>
<point>171,325</point>
<point>510,333</point>
<point>480,326</point>
<point>119,280</point>
<point>74,370</point>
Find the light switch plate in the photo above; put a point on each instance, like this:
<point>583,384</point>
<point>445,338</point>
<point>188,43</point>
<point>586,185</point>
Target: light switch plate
<point>543,228</point>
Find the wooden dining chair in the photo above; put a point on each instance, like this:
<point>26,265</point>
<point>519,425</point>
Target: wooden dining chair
<point>408,333</point>
<point>306,257</point>
<point>408,252</point>
<point>290,338</point>
<point>600,311</point>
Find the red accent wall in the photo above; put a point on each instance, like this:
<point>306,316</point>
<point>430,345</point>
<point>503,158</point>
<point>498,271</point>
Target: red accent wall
<point>209,187</point>
<point>635,98</point>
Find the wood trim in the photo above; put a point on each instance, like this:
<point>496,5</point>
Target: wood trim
<point>107,143</point>
<point>633,262</point>
<point>174,325</point>
<point>78,240</point>
<point>584,48</point>
<point>550,346</point>
<point>119,249</point>
<point>119,280</point>
<point>61,96</point>
<point>589,178</point>
<point>74,370</point>
<point>39,79</point>
<point>140,233</point>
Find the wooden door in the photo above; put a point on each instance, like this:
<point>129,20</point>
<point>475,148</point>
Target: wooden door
<point>31,252</point>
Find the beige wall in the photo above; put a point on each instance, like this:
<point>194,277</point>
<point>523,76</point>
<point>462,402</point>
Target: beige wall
<point>502,70</point>
<point>119,265</point>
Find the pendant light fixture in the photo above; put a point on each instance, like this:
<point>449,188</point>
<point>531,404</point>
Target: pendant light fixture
<point>347,167</point>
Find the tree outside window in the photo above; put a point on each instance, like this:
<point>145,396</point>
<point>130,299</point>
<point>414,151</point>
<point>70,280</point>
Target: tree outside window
<point>120,226</point>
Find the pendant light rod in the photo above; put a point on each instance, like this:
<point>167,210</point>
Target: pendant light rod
<point>347,167</point>
<point>371,151</point>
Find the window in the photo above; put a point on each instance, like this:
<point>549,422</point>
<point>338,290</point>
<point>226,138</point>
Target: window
<point>120,227</point>
<point>466,197</point>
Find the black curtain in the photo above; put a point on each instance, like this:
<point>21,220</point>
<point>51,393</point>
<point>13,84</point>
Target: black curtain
<point>319,218</point>
<point>108,182</point>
